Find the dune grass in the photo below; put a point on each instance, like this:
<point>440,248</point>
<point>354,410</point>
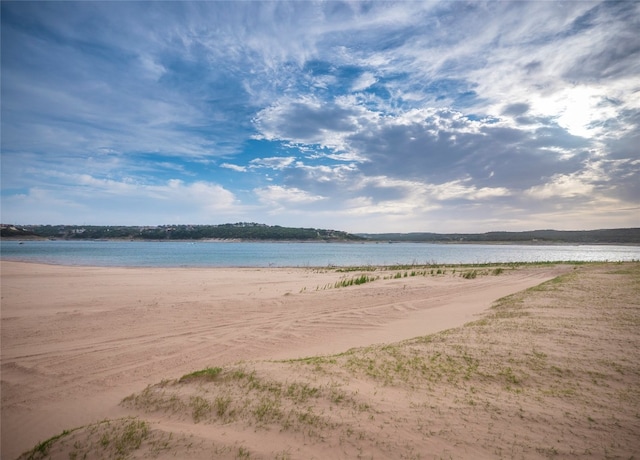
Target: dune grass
<point>210,373</point>
<point>115,439</point>
<point>467,271</point>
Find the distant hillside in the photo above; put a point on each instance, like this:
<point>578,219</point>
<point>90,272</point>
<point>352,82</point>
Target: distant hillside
<point>610,236</point>
<point>253,232</point>
<point>241,230</point>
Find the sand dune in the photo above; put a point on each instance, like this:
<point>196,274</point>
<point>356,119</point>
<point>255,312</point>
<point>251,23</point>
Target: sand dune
<point>76,341</point>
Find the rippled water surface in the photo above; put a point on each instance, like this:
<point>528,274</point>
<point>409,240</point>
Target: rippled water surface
<point>293,254</point>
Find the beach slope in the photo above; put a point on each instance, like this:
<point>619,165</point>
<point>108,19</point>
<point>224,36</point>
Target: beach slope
<point>260,363</point>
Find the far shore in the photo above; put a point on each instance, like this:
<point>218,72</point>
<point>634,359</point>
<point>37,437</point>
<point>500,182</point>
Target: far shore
<point>241,240</point>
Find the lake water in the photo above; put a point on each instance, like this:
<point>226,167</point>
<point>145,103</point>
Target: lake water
<point>293,254</point>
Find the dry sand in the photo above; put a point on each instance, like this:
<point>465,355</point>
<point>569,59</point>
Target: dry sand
<point>552,372</point>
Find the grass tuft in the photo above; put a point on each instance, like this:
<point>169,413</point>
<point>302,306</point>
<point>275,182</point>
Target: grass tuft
<point>358,280</point>
<point>116,439</point>
<point>210,373</point>
<point>41,450</point>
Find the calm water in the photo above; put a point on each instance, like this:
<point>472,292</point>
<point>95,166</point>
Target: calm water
<point>263,254</point>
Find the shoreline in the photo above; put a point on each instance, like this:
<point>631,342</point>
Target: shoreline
<point>338,269</point>
<point>350,242</point>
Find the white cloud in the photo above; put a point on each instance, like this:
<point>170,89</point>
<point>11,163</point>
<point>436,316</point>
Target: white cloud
<point>461,189</point>
<point>277,163</point>
<point>365,206</point>
<point>593,183</point>
<point>544,58</point>
<point>562,186</point>
<point>420,193</point>
<point>90,200</point>
<point>364,81</point>
<point>407,111</point>
<point>340,174</point>
<point>280,197</point>
<point>233,167</point>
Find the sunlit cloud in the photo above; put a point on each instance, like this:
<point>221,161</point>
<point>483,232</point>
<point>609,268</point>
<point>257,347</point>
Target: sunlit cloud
<point>400,116</point>
<point>272,162</point>
<point>233,167</point>
<point>278,197</point>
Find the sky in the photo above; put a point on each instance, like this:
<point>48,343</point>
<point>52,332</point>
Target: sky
<point>365,117</point>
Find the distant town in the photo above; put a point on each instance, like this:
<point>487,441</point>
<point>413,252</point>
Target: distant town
<point>251,231</point>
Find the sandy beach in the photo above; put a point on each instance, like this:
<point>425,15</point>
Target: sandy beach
<point>77,341</point>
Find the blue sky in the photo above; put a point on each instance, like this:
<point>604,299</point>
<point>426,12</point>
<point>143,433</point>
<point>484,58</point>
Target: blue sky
<point>361,116</point>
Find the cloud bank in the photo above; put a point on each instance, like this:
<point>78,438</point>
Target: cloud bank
<point>361,116</point>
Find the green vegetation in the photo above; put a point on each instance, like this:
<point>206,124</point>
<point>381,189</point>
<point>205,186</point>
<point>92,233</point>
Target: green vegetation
<point>240,230</point>
<point>616,235</point>
<point>115,439</point>
<point>256,231</point>
<point>128,438</point>
<point>407,271</point>
<point>210,373</point>
<point>41,450</point>
<point>200,407</point>
<point>470,275</point>
<point>365,268</point>
<point>362,279</point>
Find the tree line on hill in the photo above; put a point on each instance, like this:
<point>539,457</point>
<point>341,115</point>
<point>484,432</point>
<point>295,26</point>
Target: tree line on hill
<point>254,231</point>
<point>609,236</point>
<point>241,230</point>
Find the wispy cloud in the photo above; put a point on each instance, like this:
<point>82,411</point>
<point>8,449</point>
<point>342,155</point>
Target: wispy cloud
<point>395,116</point>
<point>93,200</point>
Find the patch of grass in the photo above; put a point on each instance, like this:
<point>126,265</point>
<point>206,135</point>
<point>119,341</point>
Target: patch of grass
<point>237,374</point>
<point>336,395</point>
<point>358,280</point>
<point>407,364</point>
<point>283,455</point>
<point>221,405</point>
<point>301,392</point>
<point>268,410</point>
<point>319,363</point>
<point>210,373</point>
<point>41,450</point>
<point>478,323</point>
<point>508,314</point>
<point>243,452</point>
<point>130,437</point>
<point>200,408</point>
<point>115,439</point>
<point>469,275</point>
<point>364,268</point>
<point>552,284</point>
<point>509,303</point>
<point>510,376</point>
<point>152,400</point>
